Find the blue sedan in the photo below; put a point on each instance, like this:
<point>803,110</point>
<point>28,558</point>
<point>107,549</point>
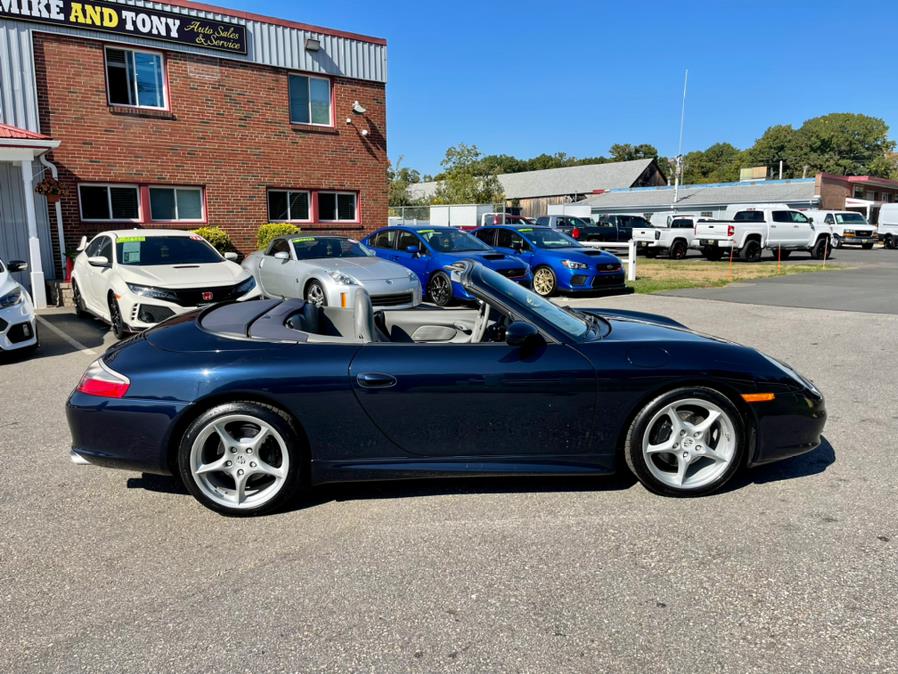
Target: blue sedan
<point>427,251</point>
<point>250,403</point>
<point>557,262</point>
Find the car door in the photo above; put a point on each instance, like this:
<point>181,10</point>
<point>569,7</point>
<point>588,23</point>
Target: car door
<point>478,400</point>
<point>274,274</point>
<point>512,243</point>
<point>418,261</point>
<point>383,243</point>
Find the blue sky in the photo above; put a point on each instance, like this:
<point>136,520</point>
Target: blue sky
<point>523,78</point>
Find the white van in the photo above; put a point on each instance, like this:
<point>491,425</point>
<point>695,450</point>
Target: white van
<point>888,225</point>
<point>849,228</point>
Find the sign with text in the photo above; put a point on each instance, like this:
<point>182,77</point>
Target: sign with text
<point>130,20</point>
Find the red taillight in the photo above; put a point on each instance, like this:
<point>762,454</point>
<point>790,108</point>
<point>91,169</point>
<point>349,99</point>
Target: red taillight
<point>575,232</point>
<point>103,382</point>
<point>731,230</point>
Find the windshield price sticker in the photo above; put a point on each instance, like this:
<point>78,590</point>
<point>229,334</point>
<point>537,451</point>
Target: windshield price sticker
<point>304,239</point>
<point>132,239</point>
<point>527,229</point>
<point>426,231</point>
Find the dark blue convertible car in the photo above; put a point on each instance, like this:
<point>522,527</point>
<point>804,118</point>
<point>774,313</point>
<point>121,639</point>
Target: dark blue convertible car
<point>248,402</point>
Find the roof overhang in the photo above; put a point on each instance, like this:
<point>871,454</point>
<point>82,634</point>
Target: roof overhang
<point>25,149</point>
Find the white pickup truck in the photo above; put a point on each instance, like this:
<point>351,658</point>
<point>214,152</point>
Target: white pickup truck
<point>752,230</point>
<point>675,239</point>
<point>848,227</point>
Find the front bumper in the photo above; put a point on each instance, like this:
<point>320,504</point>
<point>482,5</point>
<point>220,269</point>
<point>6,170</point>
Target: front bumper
<point>384,294</point>
<point>132,434</point>
<point>788,426</point>
<point>18,328</point>
<point>589,280</point>
<point>141,313</point>
<point>858,240</point>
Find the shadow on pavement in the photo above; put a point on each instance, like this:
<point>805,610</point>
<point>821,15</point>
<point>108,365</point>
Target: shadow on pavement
<point>812,463</point>
<point>90,333</point>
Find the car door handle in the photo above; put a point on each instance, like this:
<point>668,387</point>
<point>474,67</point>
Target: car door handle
<point>375,380</point>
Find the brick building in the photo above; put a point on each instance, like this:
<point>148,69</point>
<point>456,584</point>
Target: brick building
<point>181,115</point>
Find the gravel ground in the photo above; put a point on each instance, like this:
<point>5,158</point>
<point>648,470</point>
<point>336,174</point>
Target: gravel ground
<point>793,568</point>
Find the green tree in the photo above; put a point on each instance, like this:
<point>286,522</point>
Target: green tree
<point>627,152</point>
<point>778,144</point>
<point>844,143</point>
<point>719,163</point>
<point>400,179</point>
<point>463,180</point>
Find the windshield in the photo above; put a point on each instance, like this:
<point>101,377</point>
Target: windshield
<point>548,238</point>
<point>448,240</point>
<point>850,219</point>
<point>317,247</point>
<point>158,250</point>
<point>517,295</point>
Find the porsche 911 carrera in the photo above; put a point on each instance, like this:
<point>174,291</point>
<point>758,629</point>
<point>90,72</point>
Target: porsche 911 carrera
<point>248,403</point>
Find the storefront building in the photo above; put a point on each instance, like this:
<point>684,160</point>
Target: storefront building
<point>183,115</point>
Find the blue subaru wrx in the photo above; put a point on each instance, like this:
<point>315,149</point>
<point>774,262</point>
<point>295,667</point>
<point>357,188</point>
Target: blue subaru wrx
<point>428,250</point>
<point>557,262</point>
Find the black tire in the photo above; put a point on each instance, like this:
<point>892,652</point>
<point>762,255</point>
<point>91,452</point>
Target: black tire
<point>636,460</point>
<point>274,417</point>
<point>119,329</point>
<point>867,246</point>
<point>712,253</point>
<point>548,281</point>
<point>315,294</point>
<point>821,250</point>
<point>439,289</point>
<point>890,242</point>
<point>678,249</point>
<point>751,251</point>
<point>80,310</point>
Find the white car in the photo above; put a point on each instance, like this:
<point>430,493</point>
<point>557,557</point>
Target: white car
<point>848,227</point>
<point>327,270</point>
<point>18,330</point>
<point>134,279</point>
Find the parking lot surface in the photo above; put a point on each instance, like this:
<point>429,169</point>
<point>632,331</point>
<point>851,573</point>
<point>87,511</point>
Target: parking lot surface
<point>868,285</point>
<point>794,567</point>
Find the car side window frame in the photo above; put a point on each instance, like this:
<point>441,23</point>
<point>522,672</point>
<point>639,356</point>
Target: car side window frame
<point>274,248</point>
<point>106,248</point>
<point>407,233</point>
<point>489,233</point>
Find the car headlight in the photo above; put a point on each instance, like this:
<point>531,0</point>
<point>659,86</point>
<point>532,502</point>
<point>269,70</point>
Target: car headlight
<point>849,231</point>
<point>797,378</point>
<point>150,291</point>
<point>570,264</point>
<point>12,298</point>
<point>343,279</point>
<point>245,286</point>
<point>412,276</point>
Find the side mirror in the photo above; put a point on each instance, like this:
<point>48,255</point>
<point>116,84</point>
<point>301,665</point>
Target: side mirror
<point>17,265</point>
<point>98,261</point>
<point>412,249</point>
<point>82,244</point>
<point>230,256</point>
<point>282,255</point>
<point>521,333</point>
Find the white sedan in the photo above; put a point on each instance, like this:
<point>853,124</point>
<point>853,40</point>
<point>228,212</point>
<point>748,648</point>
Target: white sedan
<point>134,279</point>
<point>18,330</point>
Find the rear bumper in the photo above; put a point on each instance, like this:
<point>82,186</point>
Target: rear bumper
<point>789,426</point>
<point>131,434</point>
<point>712,243</point>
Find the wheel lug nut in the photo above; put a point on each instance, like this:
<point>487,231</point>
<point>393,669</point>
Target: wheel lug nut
<point>249,450</point>
<point>233,450</point>
<point>227,463</point>
<point>252,464</point>
<point>682,432</point>
<point>240,472</point>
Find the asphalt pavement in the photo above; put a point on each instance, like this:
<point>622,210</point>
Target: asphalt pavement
<point>868,284</point>
<point>792,568</point>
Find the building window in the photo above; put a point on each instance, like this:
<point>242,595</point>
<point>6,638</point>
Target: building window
<point>109,202</point>
<point>337,206</point>
<point>310,100</point>
<point>176,203</point>
<point>289,206</point>
<point>135,78</point>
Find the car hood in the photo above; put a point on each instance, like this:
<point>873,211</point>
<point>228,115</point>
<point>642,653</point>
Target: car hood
<point>580,254</point>
<point>185,275</point>
<point>362,268</point>
<point>487,258</point>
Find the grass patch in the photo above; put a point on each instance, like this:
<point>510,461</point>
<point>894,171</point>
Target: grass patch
<point>660,275</point>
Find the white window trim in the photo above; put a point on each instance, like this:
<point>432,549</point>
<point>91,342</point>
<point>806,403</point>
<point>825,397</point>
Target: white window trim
<point>192,188</point>
<point>137,106</point>
<point>330,100</point>
<point>355,216</point>
<point>136,188</point>
<point>308,194</point>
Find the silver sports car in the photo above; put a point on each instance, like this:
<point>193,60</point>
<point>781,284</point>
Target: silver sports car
<point>327,270</point>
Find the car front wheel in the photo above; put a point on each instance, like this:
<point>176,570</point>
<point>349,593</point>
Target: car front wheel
<point>240,458</point>
<point>80,310</point>
<point>544,282</point>
<point>315,294</point>
<point>440,289</point>
<point>687,442</point>
<point>115,319</point>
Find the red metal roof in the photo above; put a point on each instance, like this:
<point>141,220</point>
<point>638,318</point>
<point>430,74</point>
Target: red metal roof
<point>16,133</point>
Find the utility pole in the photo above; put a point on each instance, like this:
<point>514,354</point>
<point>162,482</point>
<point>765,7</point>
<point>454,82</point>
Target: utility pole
<point>781,169</point>
<point>679,162</point>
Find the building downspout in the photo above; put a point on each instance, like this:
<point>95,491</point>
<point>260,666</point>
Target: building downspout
<point>59,229</point>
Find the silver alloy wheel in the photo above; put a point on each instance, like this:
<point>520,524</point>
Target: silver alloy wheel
<point>239,461</point>
<point>315,294</point>
<point>836,242</point>
<point>543,281</point>
<point>689,443</point>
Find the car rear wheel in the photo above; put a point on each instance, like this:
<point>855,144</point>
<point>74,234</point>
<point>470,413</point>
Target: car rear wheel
<point>751,251</point>
<point>440,289</point>
<point>544,282</point>
<point>240,458</point>
<point>80,310</point>
<point>315,294</point>
<point>116,320</point>
<point>687,442</point>
<point>890,242</point>
<point>678,250</point>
